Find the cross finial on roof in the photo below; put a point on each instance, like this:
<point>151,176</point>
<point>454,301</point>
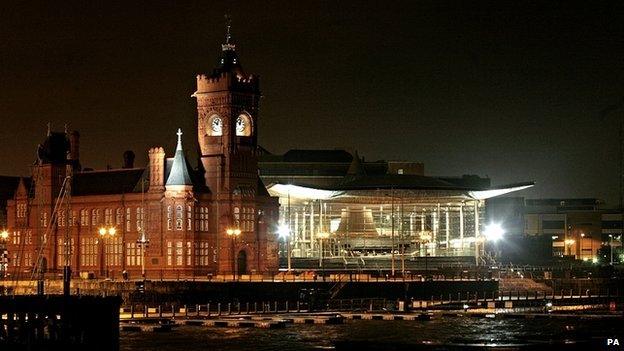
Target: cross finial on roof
<point>179,133</point>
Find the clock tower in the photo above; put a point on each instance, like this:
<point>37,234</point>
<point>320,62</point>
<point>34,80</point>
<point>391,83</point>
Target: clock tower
<point>227,111</point>
<point>244,214</point>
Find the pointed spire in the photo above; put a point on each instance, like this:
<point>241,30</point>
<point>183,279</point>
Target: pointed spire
<point>355,168</point>
<point>179,174</point>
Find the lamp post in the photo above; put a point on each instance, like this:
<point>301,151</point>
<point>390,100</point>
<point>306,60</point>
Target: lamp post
<point>284,232</point>
<point>4,259</point>
<point>493,232</point>
<point>105,232</point>
<point>581,245</point>
<point>143,242</point>
<point>321,236</point>
<point>233,233</point>
<point>611,249</point>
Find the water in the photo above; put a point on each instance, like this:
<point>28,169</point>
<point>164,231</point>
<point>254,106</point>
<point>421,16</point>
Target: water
<point>440,330</point>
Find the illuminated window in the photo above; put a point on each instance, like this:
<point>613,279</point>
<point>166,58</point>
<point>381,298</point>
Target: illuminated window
<point>128,219</point>
<point>169,218</point>
<point>61,218</point>
<point>84,217</point>
<point>189,220</point>
<point>179,214</point>
<point>118,216</point>
<point>108,216</point>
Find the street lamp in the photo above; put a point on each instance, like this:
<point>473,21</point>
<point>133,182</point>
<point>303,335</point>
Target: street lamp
<point>105,232</point>
<point>143,242</point>
<point>581,244</point>
<point>284,232</point>
<point>4,259</point>
<point>611,249</point>
<point>233,233</point>
<point>492,232</point>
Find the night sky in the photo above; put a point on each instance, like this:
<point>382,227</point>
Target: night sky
<point>511,90</point>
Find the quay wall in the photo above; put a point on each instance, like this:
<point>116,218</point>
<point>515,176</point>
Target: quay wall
<point>188,292</point>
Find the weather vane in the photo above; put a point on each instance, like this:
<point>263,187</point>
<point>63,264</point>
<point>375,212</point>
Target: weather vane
<point>228,24</point>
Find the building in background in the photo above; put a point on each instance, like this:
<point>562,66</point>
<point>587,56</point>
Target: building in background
<point>577,228</point>
<point>336,205</point>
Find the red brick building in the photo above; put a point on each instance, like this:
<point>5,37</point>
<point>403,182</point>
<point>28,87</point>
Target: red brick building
<point>216,218</point>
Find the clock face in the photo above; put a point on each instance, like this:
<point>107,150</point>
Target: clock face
<point>216,125</point>
<point>243,125</point>
<point>240,125</point>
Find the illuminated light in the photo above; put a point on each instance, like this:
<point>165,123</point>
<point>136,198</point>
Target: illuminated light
<point>283,231</point>
<point>569,241</point>
<point>493,232</point>
<point>102,231</point>
<point>233,231</point>
<point>549,304</point>
<point>595,260</point>
<point>486,194</point>
<point>301,192</point>
<point>112,231</point>
<point>322,235</point>
<point>555,237</point>
<point>4,235</point>
<point>466,306</point>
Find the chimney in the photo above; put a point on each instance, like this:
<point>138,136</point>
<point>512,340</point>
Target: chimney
<point>156,169</point>
<point>128,159</point>
<point>74,149</point>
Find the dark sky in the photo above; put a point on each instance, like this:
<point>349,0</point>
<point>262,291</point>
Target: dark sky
<point>512,90</point>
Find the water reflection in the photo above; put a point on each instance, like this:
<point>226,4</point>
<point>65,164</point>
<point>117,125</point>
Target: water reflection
<point>438,331</point>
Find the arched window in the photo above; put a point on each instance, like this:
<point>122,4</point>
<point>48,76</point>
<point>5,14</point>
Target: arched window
<point>179,215</point>
<point>140,216</point>
<point>189,224</point>
<point>118,216</point>
<point>108,216</point>
<point>169,218</point>
<point>61,218</point>
<point>84,217</point>
<point>237,216</point>
<point>96,216</point>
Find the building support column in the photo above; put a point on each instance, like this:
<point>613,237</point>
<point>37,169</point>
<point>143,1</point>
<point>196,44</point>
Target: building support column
<point>461,226</point>
<point>448,229</point>
<point>477,233</point>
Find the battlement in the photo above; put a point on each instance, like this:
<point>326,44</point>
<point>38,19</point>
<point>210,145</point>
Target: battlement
<point>226,81</point>
<point>156,151</point>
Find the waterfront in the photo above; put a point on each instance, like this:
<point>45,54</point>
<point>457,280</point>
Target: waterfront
<point>457,331</point>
